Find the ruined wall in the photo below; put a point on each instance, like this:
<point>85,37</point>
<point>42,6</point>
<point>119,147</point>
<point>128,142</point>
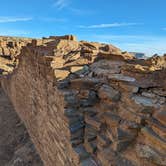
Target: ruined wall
<point>10,48</point>
<point>39,104</point>
<point>90,104</point>
<point>16,147</point>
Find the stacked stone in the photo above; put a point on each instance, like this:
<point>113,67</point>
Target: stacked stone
<point>102,131</point>
<point>10,47</point>
<point>138,127</point>
<point>108,131</point>
<point>91,104</point>
<point>79,102</point>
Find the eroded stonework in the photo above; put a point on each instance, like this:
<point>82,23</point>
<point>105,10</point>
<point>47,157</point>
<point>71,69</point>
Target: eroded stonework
<point>16,148</point>
<point>90,104</point>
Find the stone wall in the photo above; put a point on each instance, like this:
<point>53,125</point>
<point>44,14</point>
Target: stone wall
<point>10,48</point>
<point>16,147</point>
<point>39,104</point>
<point>90,104</point>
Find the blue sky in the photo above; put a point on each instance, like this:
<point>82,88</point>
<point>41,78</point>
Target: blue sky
<point>132,25</point>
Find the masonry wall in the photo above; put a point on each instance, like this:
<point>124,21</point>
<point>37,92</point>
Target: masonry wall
<point>86,104</point>
<point>35,97</point>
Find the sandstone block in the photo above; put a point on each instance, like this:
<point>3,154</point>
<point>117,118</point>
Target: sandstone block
<point>153,138</point>
<point>93,122</point>
<point>111,119</point>
<point>107,92</point>
<point>61,74</point>
<point>161,117</point>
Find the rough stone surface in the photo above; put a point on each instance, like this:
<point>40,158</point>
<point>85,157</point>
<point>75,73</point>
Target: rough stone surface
<point>87,103</point>
<point>16,148</point>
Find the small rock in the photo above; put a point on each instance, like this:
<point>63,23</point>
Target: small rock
<point>111,119</point>
<point>161,117</point>
<point>145,101</point>
<point>93,122</point>
<point>121,77</point>
<point>76,126</point>
<point>120,145</point>
<point>61,74</point>
<point>146,94</point>
<point>107,92</point>
<point>74,69</point>
<point>90,132</point>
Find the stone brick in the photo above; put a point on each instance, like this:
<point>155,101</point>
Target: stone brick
<point>107,92</point>
<point>161,117</point>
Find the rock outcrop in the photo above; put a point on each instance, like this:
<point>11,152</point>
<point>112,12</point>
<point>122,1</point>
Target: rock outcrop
<point>90,104</point>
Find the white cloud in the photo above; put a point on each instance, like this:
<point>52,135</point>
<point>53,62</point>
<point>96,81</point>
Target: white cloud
<point>130,38</point>
<point>134,43</point>
<point>51,19</point>
<point>13,32</point>
<point>67,4</point>
<point>108,25</point>
<point>14,19</point>
<point>60,4</point>
<point>150,48</point>
<point>81,11</point>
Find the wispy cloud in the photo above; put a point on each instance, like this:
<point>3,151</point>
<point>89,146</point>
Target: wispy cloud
<point>13,32</point>
<point>81,11</point>
<point>68,5</point>
<point>60,4</point>
<point>124,38</point>
<point>150,48</point>
<point>112,25</point>
<point>139,43</point>
<point>52,19</point>
<point>14,19</point>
